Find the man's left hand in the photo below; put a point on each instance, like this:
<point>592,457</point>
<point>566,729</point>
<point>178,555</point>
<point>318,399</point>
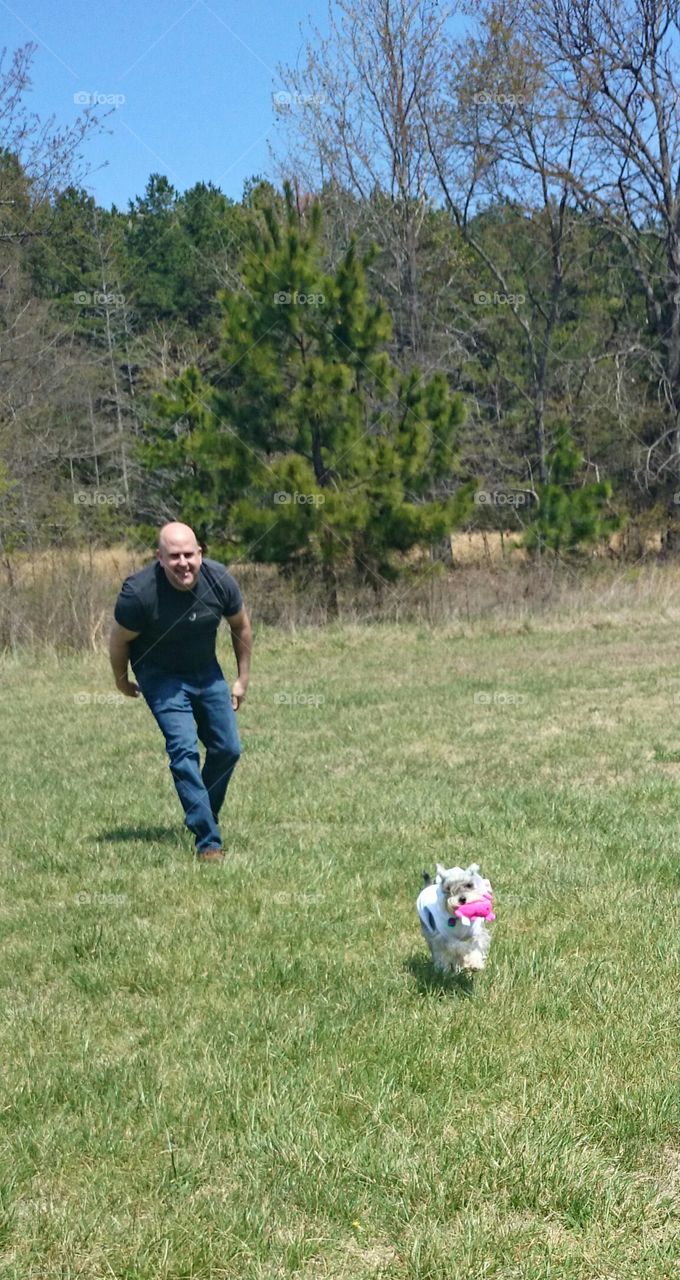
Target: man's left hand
<point>238,693</point>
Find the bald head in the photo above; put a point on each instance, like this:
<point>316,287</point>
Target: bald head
<point>175,530</point>
<point>179,554</point>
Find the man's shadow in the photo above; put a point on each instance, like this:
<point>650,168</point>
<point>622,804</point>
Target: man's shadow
<point>429,982</point>
<point>121,835</point>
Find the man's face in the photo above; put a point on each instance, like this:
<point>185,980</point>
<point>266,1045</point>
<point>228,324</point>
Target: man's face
<point>181,560</point>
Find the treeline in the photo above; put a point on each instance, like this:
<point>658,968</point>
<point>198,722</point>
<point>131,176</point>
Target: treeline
<point>456,302</point>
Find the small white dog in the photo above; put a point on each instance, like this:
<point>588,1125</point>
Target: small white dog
<point>456,943</point>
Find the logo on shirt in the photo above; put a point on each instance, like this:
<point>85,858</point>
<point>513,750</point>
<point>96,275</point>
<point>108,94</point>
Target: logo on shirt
<point>193,616</point>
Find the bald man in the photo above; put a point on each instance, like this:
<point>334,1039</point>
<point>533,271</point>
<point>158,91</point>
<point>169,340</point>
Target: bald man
<point>166,620</point>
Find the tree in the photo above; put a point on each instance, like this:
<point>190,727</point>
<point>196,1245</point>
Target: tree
<point>179,250</point>
<point>496,139</point>
<point>616,65</point>
<point>47,156</point>
<point>157,253</point>
<point>40,377</point>
<point>309,447</point>
<point>570,512</point>
<point>353,129</point>
<point>84,280</point>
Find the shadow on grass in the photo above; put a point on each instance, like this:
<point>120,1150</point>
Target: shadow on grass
<point>152,835</point>
<point>429,981</point>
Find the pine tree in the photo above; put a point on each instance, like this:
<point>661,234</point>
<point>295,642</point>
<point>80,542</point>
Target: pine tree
<point>309,446</point>
<point>570,512</point>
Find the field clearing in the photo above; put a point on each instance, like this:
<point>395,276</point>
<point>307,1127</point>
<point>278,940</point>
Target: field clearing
<point>249,1071</point>
<point>468,547</point>
<point>63,600</point>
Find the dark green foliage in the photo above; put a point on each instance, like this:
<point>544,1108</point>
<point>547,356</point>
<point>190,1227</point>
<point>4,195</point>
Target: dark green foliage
<point>571,511</point>
<point>178,249</point>
<point>63,259</point>
<point>157,253</point>
<point>308,445</point>
<point>314,400</point>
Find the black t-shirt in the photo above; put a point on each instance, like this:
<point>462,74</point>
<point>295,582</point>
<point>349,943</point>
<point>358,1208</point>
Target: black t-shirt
<point>177,629</point>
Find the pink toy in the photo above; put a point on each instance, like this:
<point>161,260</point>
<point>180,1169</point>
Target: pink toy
<point>469,910</point>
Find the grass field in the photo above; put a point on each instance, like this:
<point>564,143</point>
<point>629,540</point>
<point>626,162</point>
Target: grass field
<point>249,1071</point>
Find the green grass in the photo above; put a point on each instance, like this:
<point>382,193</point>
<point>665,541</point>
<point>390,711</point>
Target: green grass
<point>249,1071</point>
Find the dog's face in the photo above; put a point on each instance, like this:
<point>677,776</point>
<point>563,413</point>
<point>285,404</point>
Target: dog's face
<point>459,886</point>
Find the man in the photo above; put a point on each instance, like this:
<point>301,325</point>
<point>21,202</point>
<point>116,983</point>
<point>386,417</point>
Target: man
<point>166,620</point>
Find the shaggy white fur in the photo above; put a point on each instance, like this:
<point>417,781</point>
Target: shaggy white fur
<point>458,945</point>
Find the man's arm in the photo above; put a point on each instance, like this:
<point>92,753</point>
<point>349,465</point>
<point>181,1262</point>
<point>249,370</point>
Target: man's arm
<point>242,640</point>
<point>119,653</point>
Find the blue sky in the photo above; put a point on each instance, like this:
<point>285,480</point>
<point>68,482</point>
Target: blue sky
<point>196,76</point>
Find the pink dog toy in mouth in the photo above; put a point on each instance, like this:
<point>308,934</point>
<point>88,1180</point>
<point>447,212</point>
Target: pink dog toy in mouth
<point>482,907</point>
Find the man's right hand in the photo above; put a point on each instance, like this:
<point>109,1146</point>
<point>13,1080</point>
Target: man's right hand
<point>128,687</point>
<point>119,653</point>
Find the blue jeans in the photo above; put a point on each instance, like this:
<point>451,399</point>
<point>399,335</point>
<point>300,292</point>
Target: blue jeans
<point>187,708</point>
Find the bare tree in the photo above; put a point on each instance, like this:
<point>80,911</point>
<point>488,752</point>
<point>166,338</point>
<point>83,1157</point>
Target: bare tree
<point>615,64</point>
<point>48,156</point>
<point>40,377</point>
<point>500,141</point>
<point>353,128</point>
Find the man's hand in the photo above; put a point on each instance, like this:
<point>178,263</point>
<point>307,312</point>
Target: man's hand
<point>238,693</point>
<point>128,687</point>
<point>119,652</point>
<point>242,641</point>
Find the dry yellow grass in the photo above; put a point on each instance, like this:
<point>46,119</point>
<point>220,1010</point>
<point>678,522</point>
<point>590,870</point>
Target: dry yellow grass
<point>477,547</point>
<point>64,599</point>
<point>115,562</point>
<point>467,547</point>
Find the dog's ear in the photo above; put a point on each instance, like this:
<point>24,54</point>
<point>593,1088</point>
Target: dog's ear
<point>472,869</point>
<point>449,873</point>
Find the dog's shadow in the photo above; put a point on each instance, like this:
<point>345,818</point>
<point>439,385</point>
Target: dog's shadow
<point>429,982</point>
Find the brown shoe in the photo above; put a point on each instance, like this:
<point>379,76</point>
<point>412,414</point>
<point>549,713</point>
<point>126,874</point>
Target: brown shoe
<point>210,855</point>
